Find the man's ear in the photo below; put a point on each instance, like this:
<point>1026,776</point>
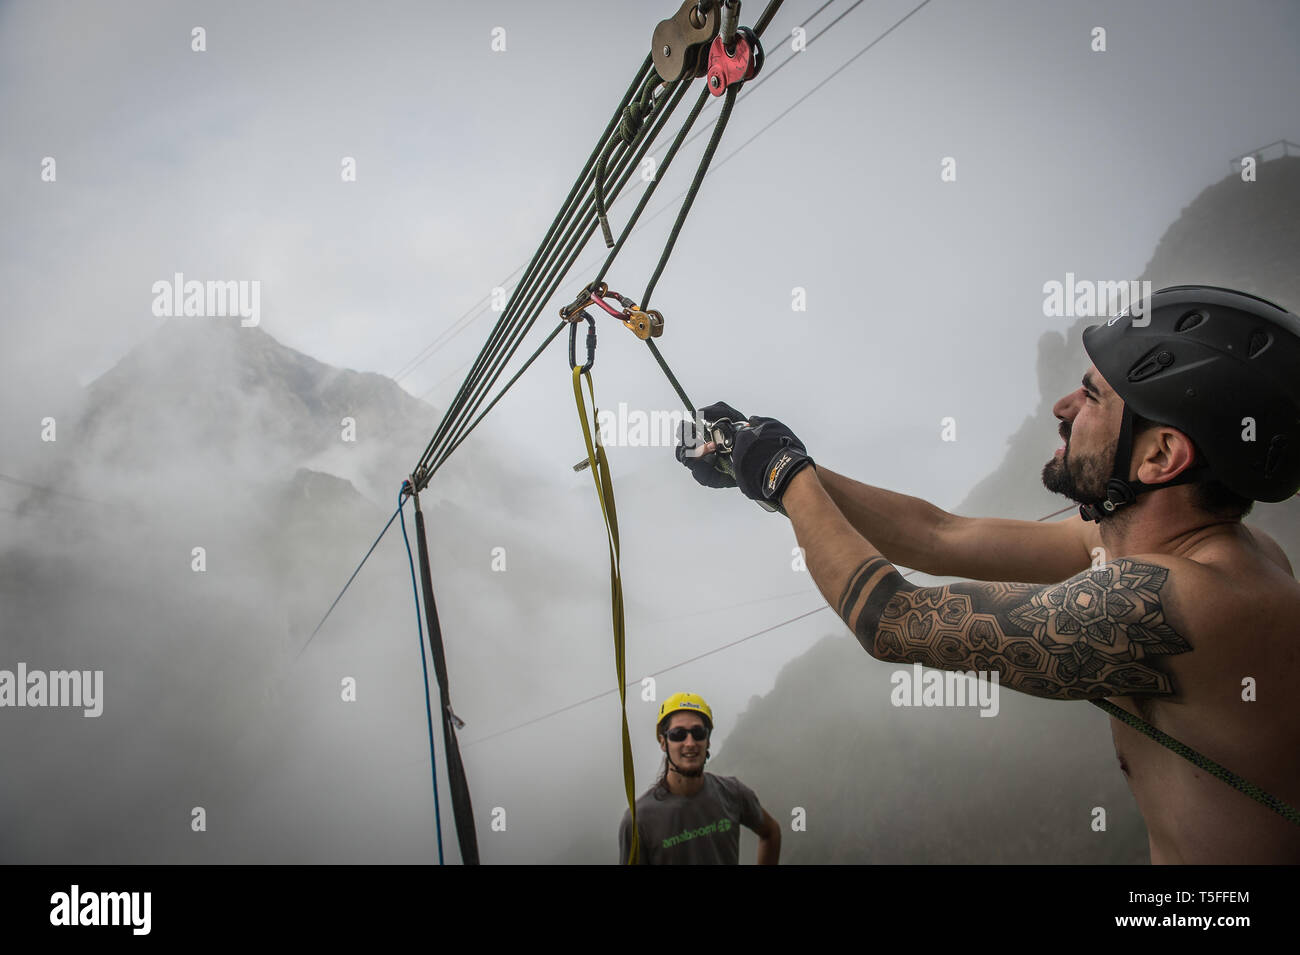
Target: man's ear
<point>663,743</point>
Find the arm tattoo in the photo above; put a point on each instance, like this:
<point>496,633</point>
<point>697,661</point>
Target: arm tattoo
<point>884,587</point>
<point>1080,639</point>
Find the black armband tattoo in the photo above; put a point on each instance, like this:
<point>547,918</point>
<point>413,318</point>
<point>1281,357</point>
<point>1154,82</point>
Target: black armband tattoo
<point>883,587</point>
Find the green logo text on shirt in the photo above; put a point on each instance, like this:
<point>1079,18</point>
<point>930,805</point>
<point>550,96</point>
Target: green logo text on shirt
<point>722,825</point>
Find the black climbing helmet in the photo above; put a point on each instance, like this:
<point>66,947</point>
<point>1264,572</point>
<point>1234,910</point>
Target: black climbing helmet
<point>1202,359</point>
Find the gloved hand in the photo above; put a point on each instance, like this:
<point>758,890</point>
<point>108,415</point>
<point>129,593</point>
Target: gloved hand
<point>765,456</point>
<point>704,467</point>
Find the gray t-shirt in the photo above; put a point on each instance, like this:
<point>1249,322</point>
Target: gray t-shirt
<point>703,829</point>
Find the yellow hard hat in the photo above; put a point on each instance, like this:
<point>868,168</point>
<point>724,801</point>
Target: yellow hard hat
<point>684,702</point>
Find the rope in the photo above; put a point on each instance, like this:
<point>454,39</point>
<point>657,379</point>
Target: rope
<point>629,127</point>
<point>559,251</point>
<point>522,310</point>
<point>840,69</point>
<point>667,669</point>
<point>557,270</point>
<point>424,666</point>
<point>1283,809</point>
<point>526,303</point>
<point>605,492</point>
<point>47,489</point>
<point>578,186</point>
<point>654,183</point>
<point>567,209</point>
<point>692,192</point>
<point>766,16</point>
<point>620,117</point>
<point>501,394</point>
<point>465,320</point>
<point>672,379</point>
<point>349,583</point>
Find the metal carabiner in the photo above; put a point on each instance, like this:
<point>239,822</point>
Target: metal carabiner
<point>573,340</point>
<point>722,433</point>
<point>570,312</point>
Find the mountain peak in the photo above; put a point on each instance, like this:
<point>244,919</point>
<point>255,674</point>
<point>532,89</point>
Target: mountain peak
<point>209,393</point>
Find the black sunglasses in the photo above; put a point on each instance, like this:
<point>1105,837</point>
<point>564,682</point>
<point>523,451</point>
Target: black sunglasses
<point>697,733</point>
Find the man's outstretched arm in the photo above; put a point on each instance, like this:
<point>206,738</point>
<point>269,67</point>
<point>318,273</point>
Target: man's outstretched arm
<point>765,455</point>
<point>913,532</point>
<point>1093,635</point>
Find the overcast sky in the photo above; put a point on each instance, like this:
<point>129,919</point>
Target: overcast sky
<point>924,297</point>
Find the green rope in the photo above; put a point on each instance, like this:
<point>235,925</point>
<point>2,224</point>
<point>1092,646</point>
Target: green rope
<point>685,209</point>
<point>1283,809</point>
<point>457,411</point>
<point>672,379</point>
<point>700,173</point>
<point>649,190</point>
<point>524,306</point>
<point>629,126</point>
<point>501,394</point>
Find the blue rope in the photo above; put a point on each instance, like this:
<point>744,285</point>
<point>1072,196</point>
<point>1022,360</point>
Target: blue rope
<point>428,708</point>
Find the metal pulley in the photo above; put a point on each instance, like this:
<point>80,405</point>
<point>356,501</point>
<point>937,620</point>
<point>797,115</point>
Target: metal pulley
<point>731,67</point>
<point>644,324</point>
<point>679,46</point>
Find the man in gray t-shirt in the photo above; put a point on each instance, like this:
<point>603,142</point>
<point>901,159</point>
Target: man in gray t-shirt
<point>690,817</point>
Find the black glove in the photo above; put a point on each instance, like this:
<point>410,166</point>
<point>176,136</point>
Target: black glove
<point>705,468</point>
<point>765,456</point>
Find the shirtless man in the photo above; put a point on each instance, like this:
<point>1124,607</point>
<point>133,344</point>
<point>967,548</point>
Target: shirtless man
<point>1192,411</point>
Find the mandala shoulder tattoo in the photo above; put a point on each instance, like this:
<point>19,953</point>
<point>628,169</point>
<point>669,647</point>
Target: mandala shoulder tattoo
<point>1087,637</point>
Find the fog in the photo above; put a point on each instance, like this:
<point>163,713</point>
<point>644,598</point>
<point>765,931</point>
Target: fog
<point>924,302</point>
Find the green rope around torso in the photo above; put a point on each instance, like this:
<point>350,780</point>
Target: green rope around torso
<point>1283,809</point>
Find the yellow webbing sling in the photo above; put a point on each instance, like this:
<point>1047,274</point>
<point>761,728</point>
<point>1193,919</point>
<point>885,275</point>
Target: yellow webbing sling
<point>605,492</point>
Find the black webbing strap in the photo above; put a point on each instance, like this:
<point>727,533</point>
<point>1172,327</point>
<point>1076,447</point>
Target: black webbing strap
<point>460,801</point>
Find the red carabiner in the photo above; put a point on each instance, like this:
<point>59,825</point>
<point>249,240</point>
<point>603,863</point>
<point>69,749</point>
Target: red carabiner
<point>597,300</point>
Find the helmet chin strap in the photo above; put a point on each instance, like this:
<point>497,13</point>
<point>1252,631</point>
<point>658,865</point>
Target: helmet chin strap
<point>1122,491</point>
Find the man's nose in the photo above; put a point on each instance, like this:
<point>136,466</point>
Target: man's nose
<point>1068,407</point>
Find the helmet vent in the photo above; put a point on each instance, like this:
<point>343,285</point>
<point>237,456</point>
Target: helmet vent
<point>1259,340</point>
<point>1150,364</point>
<point>1189,321</point>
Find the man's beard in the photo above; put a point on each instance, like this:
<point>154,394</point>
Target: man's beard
<point>687,773</point>
<point>1081,479</point>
